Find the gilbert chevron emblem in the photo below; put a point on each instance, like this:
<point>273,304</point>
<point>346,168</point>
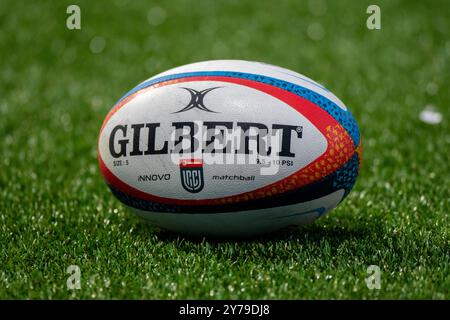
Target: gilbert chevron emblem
<point>197,100</point>
<point>191,171</point>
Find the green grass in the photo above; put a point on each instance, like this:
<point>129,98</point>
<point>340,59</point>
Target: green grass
<point>56,211</point>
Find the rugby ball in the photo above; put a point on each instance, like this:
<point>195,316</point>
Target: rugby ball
<point>229,148</point>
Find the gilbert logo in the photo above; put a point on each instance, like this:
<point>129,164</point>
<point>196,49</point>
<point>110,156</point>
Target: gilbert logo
<point>191,171</point>
<point>197,100</point>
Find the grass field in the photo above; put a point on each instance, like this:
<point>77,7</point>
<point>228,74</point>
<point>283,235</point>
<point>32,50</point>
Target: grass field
<point>57,85</point>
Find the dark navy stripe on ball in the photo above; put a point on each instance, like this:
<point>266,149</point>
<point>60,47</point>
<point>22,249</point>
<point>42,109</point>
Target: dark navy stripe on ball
<point>343,178</point>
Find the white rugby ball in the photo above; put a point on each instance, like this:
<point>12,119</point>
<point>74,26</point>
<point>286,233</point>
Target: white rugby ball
<point>229,148</point>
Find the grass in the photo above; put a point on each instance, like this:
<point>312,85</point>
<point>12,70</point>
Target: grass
<point>56,211</point>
